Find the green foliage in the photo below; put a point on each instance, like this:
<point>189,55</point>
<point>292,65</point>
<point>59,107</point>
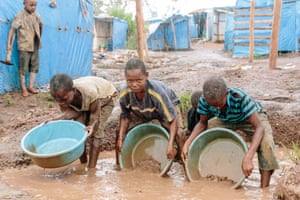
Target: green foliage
<point>45,95</point>
<point>295,154</point>
<point>185,102</point>
<point>8,100</point>
<point>119,12</point>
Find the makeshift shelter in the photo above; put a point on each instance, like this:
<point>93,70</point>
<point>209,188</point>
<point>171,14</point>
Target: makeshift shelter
<point>171,34</point>
<point>211,22</point>
<point>66,40</point>
<point>219,22</point>
<point>111,33</point>
<point>238,32</point>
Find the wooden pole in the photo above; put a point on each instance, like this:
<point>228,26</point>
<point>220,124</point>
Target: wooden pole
<point>174,34</point>
<point>275,33</point>
<point>251,31</point>
<point>140,28</point>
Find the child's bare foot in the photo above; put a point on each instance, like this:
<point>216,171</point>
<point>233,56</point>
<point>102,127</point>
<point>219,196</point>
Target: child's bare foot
<point>32,90</point>
<point>24,93</point>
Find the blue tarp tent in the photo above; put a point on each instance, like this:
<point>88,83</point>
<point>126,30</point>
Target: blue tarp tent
<point>67,39</point>
<point>111,32</point>
<point>289,34</point>
<point>173,32</point>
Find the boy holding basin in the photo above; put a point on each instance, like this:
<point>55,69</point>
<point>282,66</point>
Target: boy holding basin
<point>142,100</point>
<point>236,110</point>
<point>89,100</point>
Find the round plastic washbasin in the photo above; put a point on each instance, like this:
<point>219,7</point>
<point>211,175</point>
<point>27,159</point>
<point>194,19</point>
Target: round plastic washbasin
<point>144,142</point>
<point>218,152</point>
<point>55,144</point>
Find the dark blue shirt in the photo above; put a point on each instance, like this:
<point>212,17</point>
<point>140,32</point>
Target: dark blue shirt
<point>158,103</point>
<point>239,107</point>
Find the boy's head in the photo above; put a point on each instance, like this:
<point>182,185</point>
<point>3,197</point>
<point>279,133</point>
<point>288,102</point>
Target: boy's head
<point>215,92</point>
<point>195,98</point>
<point>61,89</point>
<point>30,5</point>
<point>136,75</point>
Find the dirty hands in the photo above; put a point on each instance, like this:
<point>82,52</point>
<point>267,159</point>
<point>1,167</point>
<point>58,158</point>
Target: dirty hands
<point>184,152</point>
<point>171,152</point>
<point>247,166</point>
<point>90,130</point>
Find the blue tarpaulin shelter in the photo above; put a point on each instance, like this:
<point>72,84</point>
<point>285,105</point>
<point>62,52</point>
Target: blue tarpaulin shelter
<point>173,32</point>
<point>67,40</point>
<point>289,34</point>
<point>111,32</point>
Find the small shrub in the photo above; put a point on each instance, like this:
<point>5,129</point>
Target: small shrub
<point>185,102</point>
<point>8,100</point>
<point>45,96</point>
<point>294,155</point>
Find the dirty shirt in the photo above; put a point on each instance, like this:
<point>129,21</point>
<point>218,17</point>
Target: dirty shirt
<point>28,29</point>
<point>239,107</point>
<point>92,88</point>
<point>158,103</point>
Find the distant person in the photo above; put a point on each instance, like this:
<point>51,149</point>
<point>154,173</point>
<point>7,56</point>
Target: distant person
<point>89,100</point>
<point>29,30</point>
<point>236,110</point>
<point>143,101</point>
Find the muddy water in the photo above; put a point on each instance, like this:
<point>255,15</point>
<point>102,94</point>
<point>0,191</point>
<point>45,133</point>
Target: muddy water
<point>75,182</point>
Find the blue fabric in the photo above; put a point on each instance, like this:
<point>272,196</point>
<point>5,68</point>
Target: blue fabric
<point>67,39</point>
<point>289,32</point>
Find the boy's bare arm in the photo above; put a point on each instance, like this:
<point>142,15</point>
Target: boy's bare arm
<point>94,121</point>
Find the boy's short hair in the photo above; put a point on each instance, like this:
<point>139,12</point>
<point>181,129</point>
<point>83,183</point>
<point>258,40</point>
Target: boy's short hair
<point>61,81</point>
<point>135,64</point>
<point>214,88</point>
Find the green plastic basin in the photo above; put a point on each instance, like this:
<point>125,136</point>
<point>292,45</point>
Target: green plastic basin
<point>218,152</point>
<point>144,142</point>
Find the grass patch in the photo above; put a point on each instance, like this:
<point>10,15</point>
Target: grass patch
<point>294,155</point>
<point>8,100</point>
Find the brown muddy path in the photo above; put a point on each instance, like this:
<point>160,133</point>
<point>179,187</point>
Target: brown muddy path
<point>184,71</point>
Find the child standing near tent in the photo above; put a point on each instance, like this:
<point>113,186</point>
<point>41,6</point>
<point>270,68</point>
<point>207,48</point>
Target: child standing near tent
<point>28,25</point>
<point>89,100</point>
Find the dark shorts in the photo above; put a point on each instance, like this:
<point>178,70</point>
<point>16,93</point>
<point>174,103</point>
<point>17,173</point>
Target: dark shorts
<point>28,61</point>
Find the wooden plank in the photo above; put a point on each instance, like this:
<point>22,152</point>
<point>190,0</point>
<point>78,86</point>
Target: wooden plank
<point>256,37</point>
<point>237,10</point>
<point>247,44</point>
<point>255,15</point>
<point>256,28</point>
<point>275,34</point>
<point>251,31</point>
<point>256,22</point>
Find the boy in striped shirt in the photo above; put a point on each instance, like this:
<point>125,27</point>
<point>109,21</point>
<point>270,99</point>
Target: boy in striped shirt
<point>234,109</point>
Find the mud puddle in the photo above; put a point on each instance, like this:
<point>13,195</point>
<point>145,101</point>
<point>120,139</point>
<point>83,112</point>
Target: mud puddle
<point>75,182</point>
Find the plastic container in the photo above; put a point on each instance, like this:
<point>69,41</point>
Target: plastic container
<point>143,142</point>
<point>218,152</point>
<point>55,144</point>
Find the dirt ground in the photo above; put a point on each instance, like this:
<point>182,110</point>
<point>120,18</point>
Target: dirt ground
<point>185,71</point>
